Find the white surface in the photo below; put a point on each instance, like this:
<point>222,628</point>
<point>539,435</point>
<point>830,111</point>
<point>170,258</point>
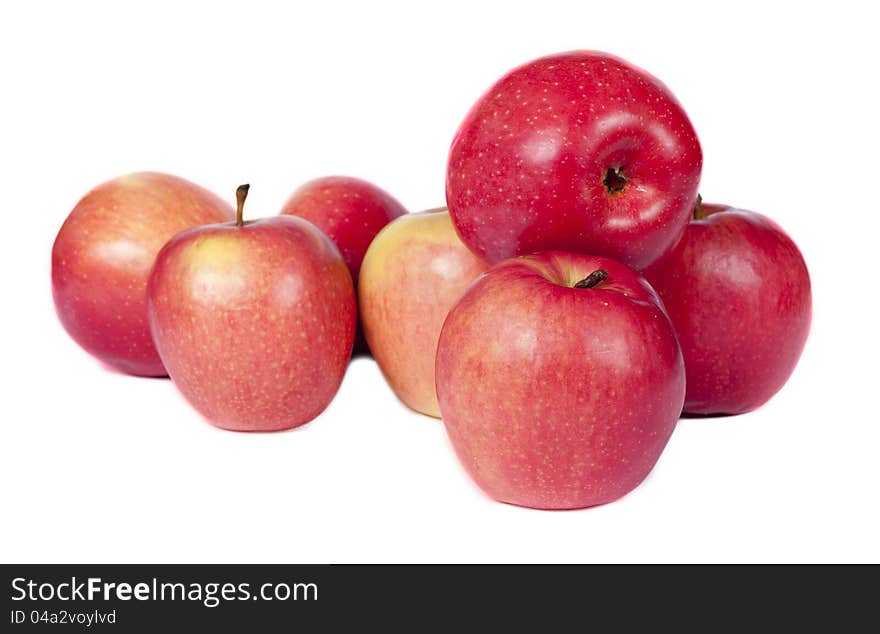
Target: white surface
<point>101,467</point>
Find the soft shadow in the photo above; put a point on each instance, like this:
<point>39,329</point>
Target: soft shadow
<point>361,352</point>
<point>360,348</point>
<point>687,415</point>
<point>114,370</point>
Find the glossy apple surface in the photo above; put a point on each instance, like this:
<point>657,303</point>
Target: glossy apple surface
<point>738,292</point>
<point>579,151</point>
<point>349,210</point>
<point>254,323</point>
<point>559,387</point>
<point>103,255</point>
<point>413,273</point>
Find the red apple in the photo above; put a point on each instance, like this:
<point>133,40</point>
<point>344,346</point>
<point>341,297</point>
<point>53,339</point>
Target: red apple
<point>103,255</point>
<point>560,380</point>
<point>413,273</point>
<point>579,151</point>
<point>349,210</point>
<point>738,292</point>
<point>254,320</point>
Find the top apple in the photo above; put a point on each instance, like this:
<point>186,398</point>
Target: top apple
<point>579,151</point>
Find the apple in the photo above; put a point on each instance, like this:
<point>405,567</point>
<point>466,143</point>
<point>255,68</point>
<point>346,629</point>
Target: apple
<point>413,273</point>
<point>560,380</point>
<point>738,292</point>
<point>253,320</point>
<point>349,210</point>
<point>103,255</point>
<point>579,151</point>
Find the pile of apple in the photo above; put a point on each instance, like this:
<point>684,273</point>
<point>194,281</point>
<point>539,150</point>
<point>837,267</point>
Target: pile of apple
<point>575,299</point>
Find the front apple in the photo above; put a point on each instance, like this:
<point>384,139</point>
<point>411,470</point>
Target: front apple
<point>738,292</point>
<point>560,380</point>
<point>254,321</point>
<point>579,151</point>
<point>414,272</point>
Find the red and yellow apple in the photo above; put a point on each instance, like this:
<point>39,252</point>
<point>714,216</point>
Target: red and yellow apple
<point>253,320</point>
<point>412,274</point>
<point>103,255</point>
<point>560,380</point>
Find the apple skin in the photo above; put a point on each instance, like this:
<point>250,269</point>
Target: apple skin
<point>557,397</point>
<point>349,210</point>
<point>738,292</point>
<point>528,167</point>
<point>413,273</point>
<point>255,323</point>
<point>103,255</point>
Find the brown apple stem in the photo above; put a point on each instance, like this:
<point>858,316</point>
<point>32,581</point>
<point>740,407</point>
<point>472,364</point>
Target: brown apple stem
<point>614,180</point>
<point>699,214</point>
<point>594,278</point>
<point>240,196</point>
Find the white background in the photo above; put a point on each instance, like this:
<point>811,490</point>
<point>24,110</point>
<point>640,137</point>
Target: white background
<point>101,467</point>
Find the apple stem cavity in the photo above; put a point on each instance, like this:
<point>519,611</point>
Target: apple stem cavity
<point>699,213</point>
<point>596,277</point>
<point>614,180</point>
<point>240,196</point>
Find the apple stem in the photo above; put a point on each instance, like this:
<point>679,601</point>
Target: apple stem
<point>594,278</point>
<point>614,180</point>
<point>699,214</point>
<point>240,196</point>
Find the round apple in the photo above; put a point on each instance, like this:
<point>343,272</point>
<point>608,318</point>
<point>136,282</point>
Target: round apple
<point>579,151</point>
<point>253,320</point>
<point>413,273</point>
<point>560,380</point>
<point>349,210</point>
<point>103,255</point>
<point>738,292</point>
